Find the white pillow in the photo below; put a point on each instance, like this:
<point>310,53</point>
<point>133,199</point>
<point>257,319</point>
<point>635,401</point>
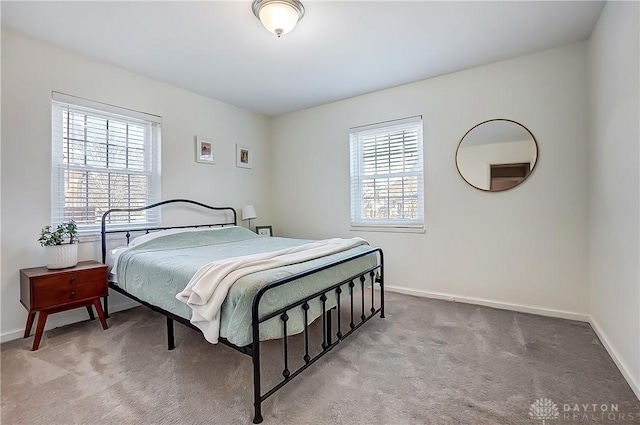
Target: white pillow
<point>112,258</point>
<point>153,235</point>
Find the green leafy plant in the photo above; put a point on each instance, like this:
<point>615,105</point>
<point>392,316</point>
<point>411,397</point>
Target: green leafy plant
<point>65,233</point>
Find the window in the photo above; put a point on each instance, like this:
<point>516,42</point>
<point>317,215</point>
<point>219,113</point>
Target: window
<point>387,175</point>
<point>103,157</point>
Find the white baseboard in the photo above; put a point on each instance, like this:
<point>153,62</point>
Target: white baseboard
<point>563,314</point>
<point>69,317</point>
<point>622,366</point>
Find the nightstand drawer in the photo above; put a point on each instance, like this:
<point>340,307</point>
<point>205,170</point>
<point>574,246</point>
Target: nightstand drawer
<point>70,278</point>
<point>68,293</point>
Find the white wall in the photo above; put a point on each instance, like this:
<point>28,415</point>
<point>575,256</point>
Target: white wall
<point>614,90</point>
<point>526,246</point>
<point>30,71</point>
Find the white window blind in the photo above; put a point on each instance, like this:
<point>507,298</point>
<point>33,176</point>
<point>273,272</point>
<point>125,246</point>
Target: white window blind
<point>387,174</point>
<point>103,157</point>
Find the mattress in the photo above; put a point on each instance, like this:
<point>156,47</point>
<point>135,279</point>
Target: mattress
<point>158,267</point>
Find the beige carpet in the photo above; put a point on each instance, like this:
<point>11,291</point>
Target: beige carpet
<point>428,362</point>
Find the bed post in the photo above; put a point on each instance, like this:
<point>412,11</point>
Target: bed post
<point>255,355</point>
<point>103,244</point>
<point>381,284</point>
<point>171,343</point>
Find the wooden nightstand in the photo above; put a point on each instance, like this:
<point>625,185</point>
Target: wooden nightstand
<point>51,291</point>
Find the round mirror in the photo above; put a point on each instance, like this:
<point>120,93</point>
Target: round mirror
<point>496,155</point>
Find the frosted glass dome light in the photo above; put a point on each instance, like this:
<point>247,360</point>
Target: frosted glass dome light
<point>278,16</point>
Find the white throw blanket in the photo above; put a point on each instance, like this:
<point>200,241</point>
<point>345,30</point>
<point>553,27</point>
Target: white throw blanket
<point>208,288</point>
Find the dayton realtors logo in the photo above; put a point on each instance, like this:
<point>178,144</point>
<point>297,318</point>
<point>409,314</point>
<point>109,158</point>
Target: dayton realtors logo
<point>543,409</point>
<point>546,410</point>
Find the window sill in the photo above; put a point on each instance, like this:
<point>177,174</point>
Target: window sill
<point>387,229</point>
<point>91,237</point>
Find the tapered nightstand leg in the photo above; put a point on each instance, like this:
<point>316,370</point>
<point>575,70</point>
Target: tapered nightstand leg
<point>103,320</point>
<point>42,319</point>
<point>90,311</point>
<point>30,318</point>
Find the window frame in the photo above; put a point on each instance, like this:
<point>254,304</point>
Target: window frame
<point>150,170</point>
<point>357,137</point>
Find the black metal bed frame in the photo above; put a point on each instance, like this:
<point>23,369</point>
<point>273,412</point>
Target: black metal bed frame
<point>374,273</point>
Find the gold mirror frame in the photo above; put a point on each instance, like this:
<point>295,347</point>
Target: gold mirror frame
<point>522,179</point>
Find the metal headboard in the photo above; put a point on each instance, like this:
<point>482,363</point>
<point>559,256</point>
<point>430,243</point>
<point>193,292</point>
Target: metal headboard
<point>127,232</point>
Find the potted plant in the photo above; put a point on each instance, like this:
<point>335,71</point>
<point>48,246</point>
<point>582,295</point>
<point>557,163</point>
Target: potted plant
<point>60,244</point>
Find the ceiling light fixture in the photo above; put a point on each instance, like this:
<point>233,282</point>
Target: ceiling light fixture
<point>278,16</point>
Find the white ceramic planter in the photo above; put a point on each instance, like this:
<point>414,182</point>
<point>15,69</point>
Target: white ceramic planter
<point>62,256</point>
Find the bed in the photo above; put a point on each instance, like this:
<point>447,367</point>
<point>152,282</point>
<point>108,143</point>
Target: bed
<point>241,289</point>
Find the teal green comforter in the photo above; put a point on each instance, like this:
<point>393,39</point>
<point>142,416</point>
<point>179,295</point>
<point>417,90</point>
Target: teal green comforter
<point>157,270</point>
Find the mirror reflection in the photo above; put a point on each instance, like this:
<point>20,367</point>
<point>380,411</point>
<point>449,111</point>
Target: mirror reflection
<point>496,155</point>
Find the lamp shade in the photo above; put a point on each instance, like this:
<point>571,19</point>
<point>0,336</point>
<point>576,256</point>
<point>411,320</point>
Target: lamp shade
<point>278,16</point>
<point>249,212</point>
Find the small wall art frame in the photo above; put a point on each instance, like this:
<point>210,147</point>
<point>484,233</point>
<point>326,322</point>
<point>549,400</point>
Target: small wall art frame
<point>264,230</point>
<point>244,157</point>
<point>205,152</point>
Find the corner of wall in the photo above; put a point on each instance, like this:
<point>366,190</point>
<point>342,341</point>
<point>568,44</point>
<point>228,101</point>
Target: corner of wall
<point>614,185</point>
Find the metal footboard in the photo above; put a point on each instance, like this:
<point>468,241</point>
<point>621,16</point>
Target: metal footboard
<point>375,275</point>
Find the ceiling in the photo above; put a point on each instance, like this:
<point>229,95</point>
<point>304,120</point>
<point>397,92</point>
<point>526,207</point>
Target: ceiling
<point>338,50</point>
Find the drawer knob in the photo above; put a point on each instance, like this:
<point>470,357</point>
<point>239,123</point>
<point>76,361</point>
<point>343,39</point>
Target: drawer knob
<point>73,294</point>
<point>73,279</point>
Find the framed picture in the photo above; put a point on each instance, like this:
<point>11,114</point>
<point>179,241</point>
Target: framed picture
<point>204,151</point>
<point>264,230</point>
<point>244,159</point>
